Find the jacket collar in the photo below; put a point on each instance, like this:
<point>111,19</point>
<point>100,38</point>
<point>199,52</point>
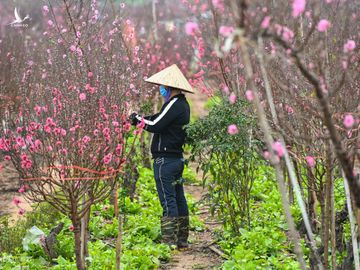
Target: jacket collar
<point>181,95</point>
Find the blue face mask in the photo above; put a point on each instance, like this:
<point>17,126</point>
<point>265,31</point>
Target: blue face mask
<point>165,92</point>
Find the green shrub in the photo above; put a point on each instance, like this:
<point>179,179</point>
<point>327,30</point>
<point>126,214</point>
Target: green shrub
<point>230,160</point>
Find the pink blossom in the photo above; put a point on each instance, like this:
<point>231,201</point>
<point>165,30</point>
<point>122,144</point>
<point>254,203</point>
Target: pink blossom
<point>127,127</point>
<point>63,151</point>
<point>344,64</point>
<point>191,28</point>
<point>21,190</point>
<point>232,129</point>
<point>45,9</point>
<point>3,144</point>
<point>249,95</point>
<point>73,48</point>
<point>277,146</point>
<point>232,98</point>
<point>63,132</point>
<point>21,212</point>
<point>106,131</point>
<point>71,228</point>
<point>50,121</point>
<point>289,109</point>
<point>298,7</point>
<point>226,90</point>
<point>107,159</point>
<point>226,30</point>
<point>37,109</point>
<point>122,5</point>
<point>82,96</point>
<point>349,46</point>
<point>96,132</point>
<point>20,141</point>
<point>90,74</point>
<point>323,25</point>
<point>219,4</point>
<point>57,130</point>
<point>86,139</point>
<point>348,121</point>
<point>37,143</point>
<point>24,157</point>
<point>118,150</point>
<point>26,164</point>
<point>265,22</point>
<point>141,124</point>
<point>50,23</point>
<point>287,34</point>
<point>266,155</point>
<point>88,86</point>
<point>310,161</point>
<point>16,201</point>
<point>47,129</point>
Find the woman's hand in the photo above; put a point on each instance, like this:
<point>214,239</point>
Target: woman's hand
<point>132,119</point>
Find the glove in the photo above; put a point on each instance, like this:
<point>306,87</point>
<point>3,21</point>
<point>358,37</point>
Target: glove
<point>132,119</point>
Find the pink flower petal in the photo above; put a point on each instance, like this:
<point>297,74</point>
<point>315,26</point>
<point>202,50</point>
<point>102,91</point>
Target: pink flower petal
<point>232,129</point>
<point>348,121</point>
<point>323,25</point>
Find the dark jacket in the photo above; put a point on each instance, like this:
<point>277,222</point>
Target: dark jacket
<point>168,127</point>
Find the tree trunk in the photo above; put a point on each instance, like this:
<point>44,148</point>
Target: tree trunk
<point>312,200</point>
<point>119,242</point>
<point>333,228</point>
<point>85,234</point>
<point>327,214</point>
<point>289,186</point>
<point>353,229</point>
<point>80,259</point>
<point>116,199</point>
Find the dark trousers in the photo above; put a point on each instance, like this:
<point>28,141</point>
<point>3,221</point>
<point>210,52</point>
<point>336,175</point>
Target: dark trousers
<point>168,173</point>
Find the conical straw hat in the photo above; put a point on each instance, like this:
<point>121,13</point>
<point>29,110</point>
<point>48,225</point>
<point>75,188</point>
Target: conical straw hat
<point>173,77</point>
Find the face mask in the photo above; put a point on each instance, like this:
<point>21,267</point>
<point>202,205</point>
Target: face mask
<point>165,92</point>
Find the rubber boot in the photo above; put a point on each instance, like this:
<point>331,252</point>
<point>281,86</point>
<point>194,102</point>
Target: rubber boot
<point>169,228</point>
<point>183,232</point>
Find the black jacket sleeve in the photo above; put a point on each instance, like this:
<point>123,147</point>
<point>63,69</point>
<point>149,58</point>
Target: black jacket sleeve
<point>158,122</point>
<point>151,117</point>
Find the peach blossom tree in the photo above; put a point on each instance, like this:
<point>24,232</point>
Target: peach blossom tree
<point>68,96</point>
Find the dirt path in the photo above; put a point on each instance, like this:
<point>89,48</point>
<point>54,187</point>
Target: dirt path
<point>200,254</point>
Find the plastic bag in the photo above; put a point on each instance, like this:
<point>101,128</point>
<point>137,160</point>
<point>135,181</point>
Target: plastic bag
<point>33,236</point>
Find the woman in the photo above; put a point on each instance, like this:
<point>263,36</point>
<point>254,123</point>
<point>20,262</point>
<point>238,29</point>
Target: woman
<point>167,152</point>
